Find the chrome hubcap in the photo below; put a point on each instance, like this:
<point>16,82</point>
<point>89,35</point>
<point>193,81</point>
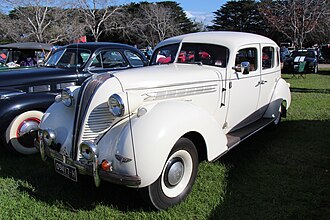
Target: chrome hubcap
<point>23,132</point>
<point>174,172</point>
<point>27,126</point>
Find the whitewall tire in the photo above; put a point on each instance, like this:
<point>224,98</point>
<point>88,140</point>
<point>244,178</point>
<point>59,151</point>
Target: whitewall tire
<point>17,137</point>
<point>177,178</point>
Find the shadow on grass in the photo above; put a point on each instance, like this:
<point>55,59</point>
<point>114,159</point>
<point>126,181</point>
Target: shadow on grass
<point>280,174</point>
<point>45,185</point>
<point>275,174</point>
<point>324,72</point>
<point>305,90</point>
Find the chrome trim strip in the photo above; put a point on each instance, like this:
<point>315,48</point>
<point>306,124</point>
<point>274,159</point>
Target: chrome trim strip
<point>175,84</point>
<point>176,93</point>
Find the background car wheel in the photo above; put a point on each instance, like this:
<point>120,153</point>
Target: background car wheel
<point>177,178</point>
<point>17,137</point>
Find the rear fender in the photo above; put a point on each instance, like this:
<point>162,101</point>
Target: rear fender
<point>281,94</point>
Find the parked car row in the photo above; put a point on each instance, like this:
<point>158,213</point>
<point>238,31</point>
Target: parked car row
<point>147,128</point>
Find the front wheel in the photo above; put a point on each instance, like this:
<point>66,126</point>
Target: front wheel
<point>18,136</point>
<point>177,178</point>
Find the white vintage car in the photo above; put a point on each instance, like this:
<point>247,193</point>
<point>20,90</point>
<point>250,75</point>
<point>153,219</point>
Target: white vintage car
<point>149,128</point>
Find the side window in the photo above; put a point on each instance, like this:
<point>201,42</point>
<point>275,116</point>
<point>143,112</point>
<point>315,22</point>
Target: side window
<point>109,59</point>
<point>133,58</point>
<point>268,60</point>
<point>247,55</point>
<point>97,62</point>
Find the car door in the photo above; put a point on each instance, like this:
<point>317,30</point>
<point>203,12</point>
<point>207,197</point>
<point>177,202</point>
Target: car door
<point>244,88</point>
<point>270,72</point>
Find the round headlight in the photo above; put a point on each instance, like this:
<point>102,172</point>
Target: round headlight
<point>67,97</point>
<point>48,137</point>
<point>116,105</point>
<point>88,150</point>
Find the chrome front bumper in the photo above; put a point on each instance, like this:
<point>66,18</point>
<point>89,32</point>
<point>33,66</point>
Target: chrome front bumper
<point>89,169</point>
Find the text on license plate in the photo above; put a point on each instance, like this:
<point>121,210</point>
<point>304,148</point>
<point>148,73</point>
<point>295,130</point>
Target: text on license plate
<point>66,170</point>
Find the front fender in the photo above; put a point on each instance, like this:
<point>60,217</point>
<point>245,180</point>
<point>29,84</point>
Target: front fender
<point>153,135</point>
<point>281,93</point>
<point>15,105</point>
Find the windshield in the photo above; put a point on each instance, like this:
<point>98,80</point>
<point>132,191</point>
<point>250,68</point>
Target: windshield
<point>3,56</point>
<point>303,53</point>
<point>70,57</point>
<point>192,53</point>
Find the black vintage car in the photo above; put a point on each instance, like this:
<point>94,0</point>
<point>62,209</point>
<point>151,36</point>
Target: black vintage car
<point>23,55</point>
<point>305,61</point>
<point>26,93</point>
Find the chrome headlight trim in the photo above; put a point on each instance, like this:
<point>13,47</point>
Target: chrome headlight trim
<point>67,97</point>
<point>116,105</point>
<point>48,137</point>
<point>88,150</point>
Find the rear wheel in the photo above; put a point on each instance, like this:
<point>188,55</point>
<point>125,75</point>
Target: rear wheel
<point>18,137</point>
<point>177,178</point>
<point>281,113</point>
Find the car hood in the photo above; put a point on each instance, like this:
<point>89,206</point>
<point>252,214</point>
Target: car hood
<point>12,78</point>
<point>167,75</point>
<point>6,92</point>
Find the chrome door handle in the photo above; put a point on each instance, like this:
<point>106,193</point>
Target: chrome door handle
<point>261,82</point>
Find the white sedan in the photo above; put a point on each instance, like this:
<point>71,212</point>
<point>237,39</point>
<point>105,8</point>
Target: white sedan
<point>149,128</point>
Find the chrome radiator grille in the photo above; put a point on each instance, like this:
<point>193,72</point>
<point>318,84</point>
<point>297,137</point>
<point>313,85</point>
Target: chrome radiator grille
<point>98,122</point>
<point>86,94</point>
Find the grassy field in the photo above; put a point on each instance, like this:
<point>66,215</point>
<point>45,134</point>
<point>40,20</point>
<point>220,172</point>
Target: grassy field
<point>276,174</point>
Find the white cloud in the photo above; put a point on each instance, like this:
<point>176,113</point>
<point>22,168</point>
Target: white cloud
<point>204,17</point>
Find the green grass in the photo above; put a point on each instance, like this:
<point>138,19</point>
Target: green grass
<point>276,174</point>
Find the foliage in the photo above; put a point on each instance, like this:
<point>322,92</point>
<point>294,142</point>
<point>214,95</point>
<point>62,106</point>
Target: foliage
<point>62,22</point>
<point>296,19</point>
<point>149,23</point>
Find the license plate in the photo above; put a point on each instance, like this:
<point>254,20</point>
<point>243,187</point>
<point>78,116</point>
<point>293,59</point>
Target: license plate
<point>66,170</point>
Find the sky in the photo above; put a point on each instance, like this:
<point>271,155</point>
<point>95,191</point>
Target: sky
<point>200,10</point>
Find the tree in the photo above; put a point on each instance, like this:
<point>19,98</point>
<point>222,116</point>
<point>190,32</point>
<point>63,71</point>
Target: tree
<point>240,16</point>
<point>295,19</point>
<point>150,23</point>
<point>99,16</point>
<point>41,21</point>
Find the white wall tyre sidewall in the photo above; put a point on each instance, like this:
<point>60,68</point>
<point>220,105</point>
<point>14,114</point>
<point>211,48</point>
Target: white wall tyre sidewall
<point>188,167</point>
<point>11,132</point>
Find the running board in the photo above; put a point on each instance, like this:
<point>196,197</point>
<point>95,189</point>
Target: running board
<point>239,135</point>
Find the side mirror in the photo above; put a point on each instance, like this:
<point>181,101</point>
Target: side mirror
<point>246,67</point>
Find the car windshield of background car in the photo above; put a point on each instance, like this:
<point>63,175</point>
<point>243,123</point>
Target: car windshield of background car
<point>303,53</point>
<point>68,58</point>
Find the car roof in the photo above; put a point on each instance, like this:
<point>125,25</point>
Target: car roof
<point>27,45</point>
<point>228,39</point>
<point>96,45</point>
